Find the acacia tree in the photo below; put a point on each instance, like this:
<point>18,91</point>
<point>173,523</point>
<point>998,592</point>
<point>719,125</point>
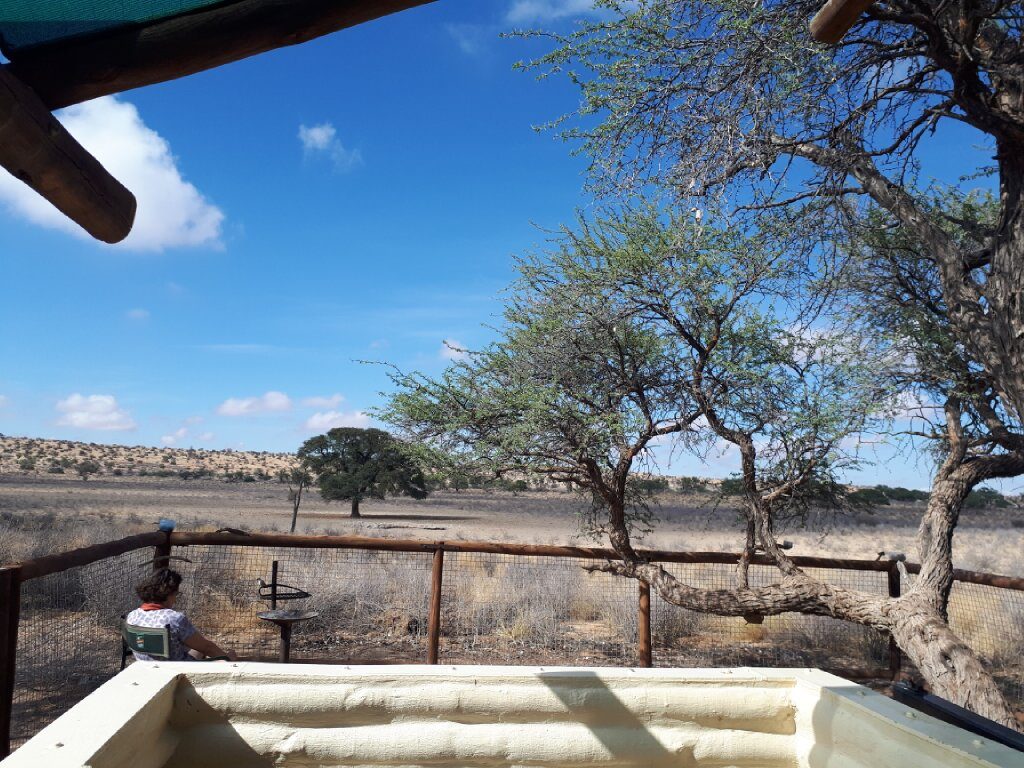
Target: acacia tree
<point>728,104</point>
<point>298,479</point>
<point>638,329</point>
<point>351,464</point>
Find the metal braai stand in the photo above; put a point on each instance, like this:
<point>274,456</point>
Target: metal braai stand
<point>275,592</point>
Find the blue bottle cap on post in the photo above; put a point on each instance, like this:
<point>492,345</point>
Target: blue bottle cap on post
<point>166,524</point>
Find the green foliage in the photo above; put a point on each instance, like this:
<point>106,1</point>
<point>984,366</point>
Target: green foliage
<point>690,484</point>
<point>27,465</point>
<point>869,497</point>
<point>985,497</point>
<point>353,464</point>
<point>902,494</point>
<point>731,486</point>
<point>86,468</point>
<point>649,486</point>
<point>639,326</point>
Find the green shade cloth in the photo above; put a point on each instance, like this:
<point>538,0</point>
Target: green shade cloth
<point>27,23</point>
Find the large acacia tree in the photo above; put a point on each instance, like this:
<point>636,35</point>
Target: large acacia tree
<point>728,104</point>
<point>645,328</point>
<point>351,464</point>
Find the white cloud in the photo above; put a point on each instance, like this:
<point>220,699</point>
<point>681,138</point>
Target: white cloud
<point>205,437</point>
<point>452,350</point>
<point>171,212</point>
<point>525,11</point>
<point>137,314</point>
<point>174,437</point>
<point>324,402</point>
<point>4,401</point>
<point>472,39</point>
<point>321,422</point>
<point>93,412</point>
<point>246,406</point>
<point>322,141</point>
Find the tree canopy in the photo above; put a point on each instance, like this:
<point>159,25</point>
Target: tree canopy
<point>352,464</point>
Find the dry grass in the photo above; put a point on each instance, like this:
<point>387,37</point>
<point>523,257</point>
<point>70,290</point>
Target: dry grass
<point>496,609</point>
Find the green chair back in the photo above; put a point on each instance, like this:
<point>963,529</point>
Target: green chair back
<point>152,641</point>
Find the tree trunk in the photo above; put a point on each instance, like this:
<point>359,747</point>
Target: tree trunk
<point>355,507</point>
<point>951,668</point>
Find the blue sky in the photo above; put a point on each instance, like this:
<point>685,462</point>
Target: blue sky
<point>358,197</point>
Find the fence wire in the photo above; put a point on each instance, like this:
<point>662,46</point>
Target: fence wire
<point>511,609</point>
<point>495,609</point>
<point>991,621</point>
<point>371,606</point>
<point>68,638</point>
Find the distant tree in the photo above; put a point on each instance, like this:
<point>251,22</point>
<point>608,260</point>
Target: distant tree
<point>870,497</point>
<point>351,464</point>
<point>27,465</point>
<point>986,497</point>
<point>298,479</point>
<point>86,468</point>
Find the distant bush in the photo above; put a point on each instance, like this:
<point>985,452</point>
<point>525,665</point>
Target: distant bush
<point>27,465</point>
<point>869,497</point>
<point>981,498</point>
<point>691,484</point>
<point>648,485</point>
<point>55,469</point>
<point>731,486</point>
<point>902,494</point>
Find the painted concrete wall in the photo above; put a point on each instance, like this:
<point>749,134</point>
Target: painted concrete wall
<point>228,715</point>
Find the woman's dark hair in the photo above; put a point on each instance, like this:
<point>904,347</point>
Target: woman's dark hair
<point>158,587</point>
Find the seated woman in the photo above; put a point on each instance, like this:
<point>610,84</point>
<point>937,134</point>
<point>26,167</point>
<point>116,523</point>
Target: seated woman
<point>158,594</point>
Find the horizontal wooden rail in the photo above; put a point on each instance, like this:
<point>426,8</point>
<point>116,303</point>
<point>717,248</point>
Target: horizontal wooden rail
<point>44,566</point>
<point>976,577</point>
<point>185,539</point>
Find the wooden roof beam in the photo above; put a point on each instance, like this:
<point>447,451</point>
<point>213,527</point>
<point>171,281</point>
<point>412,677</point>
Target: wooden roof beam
<point>834,20</point>
<point>39,151</point>
<point>79,70</point>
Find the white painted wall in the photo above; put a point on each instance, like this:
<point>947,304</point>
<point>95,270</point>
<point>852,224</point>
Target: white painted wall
<point>233,715</point>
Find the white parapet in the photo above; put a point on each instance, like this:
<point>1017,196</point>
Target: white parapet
<point>248,715</point>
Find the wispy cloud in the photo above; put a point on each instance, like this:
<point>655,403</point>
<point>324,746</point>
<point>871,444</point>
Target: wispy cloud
<point>175,436</point>
<point>4,401</point>
<point>333,401</point>
<point>452,350</point>
<point>269,402</point>
<point>472,39</point>
<point>321,141</point>
<point>93,412</point>
<point>171,212</point>
<point>321,422</point>
<point>527,11</point>
<point>137,314</point>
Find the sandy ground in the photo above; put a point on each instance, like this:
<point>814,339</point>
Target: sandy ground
<point>73,512</point>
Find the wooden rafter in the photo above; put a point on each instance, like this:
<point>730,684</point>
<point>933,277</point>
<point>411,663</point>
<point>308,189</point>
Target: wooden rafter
<point>38,150</point>
<point>77,70</point>
<point>834,20</point>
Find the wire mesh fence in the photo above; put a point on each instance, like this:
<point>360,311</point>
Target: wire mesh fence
<point>68,639</point>
<point>991,621</point>
<point>513,609</point>
<point>373,606</point>
<point>683,638</point>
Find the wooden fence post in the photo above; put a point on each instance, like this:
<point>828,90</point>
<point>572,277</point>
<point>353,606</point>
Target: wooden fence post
<point>10,611</point>
<point>895,655</point>
<point>434,619</point>
<point>643,642</point>
<point>162,552</point>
